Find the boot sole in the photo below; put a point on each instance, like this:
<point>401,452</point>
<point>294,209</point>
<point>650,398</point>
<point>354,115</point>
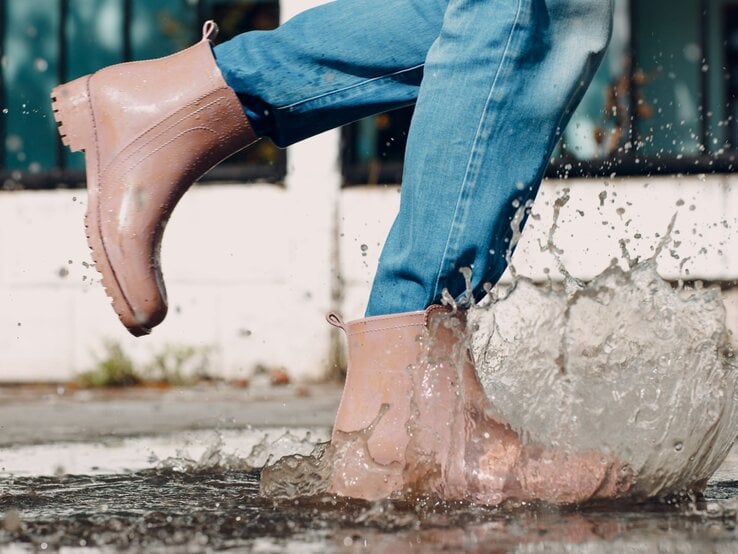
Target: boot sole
<point>76,126</point>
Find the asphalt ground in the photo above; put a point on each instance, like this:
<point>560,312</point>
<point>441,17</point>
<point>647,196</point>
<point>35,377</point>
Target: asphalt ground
<point>54,413</point>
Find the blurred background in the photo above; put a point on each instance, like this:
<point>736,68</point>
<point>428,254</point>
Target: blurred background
<point>272,239</point>
<point>664,101</point>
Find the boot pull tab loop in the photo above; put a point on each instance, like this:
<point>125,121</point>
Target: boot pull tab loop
<point>209,30</point>
<point>334,319</point>
<point>432,310</point>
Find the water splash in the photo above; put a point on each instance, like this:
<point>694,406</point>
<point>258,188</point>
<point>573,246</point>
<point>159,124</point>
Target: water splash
<point>624,377</point>
<point>267,445</point>
<point>626,364</point>
<point>330,467</point>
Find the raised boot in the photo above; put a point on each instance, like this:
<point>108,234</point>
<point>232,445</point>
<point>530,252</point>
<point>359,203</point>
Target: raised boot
<point>414,419</point>
<point>149,129</point>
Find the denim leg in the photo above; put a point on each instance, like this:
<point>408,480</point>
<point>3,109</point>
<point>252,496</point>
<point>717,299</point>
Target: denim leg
<point>331,65</point>
<point>499,85</point>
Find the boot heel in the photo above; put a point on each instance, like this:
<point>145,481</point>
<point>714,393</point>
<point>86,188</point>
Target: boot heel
<point>73,114</point>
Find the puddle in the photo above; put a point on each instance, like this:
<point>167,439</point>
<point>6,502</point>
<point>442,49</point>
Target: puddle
<point>218,509</point>
<point>200,491</point>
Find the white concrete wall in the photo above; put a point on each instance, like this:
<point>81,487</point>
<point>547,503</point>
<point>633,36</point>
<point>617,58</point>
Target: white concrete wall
<point>248,270</point>
<point>251,270</point>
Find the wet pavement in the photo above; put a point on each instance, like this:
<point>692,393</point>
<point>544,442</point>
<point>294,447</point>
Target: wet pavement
<point>33,415</point>
<point>177,471</point>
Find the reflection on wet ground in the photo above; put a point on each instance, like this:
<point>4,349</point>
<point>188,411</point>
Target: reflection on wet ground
<point>221,509</point>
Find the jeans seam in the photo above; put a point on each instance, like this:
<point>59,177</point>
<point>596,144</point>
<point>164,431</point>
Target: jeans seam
<point>349,87</point>
<point>464,184</point>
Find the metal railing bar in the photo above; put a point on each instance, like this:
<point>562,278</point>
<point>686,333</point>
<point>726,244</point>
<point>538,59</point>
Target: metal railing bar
<point>62,70</point>
<point>704,81</point>
<point>633,88</point>
<point>126,21</point>
<point>3,116</point>
<point>75,178</point>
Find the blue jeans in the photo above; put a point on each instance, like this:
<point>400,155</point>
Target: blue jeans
<point>494,83</point>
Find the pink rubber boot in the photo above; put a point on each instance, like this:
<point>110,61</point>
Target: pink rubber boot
<point>148,130</point>
<point>414,420</point>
